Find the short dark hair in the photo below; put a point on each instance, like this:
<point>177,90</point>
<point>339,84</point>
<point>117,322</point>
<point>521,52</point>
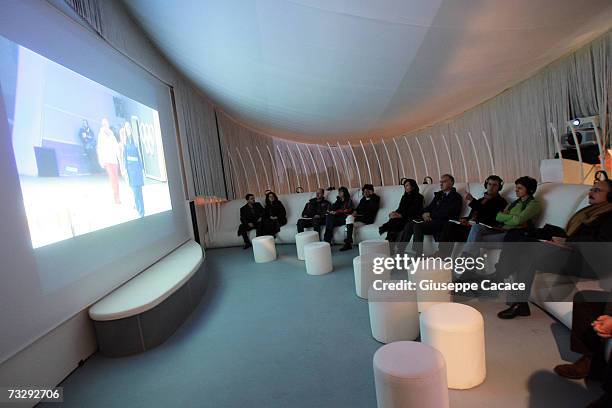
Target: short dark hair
<point>367,187</point>
<point>452,179</point>
<point>495,178</point>
<point>529,183</point>
<point>249,196</point>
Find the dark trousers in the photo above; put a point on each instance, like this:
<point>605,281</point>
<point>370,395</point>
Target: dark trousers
<point>419,230</point>
<point>314,222</point>
<point>450,234</point>
<point>244,229</point>
<point>588,305</point>
<point>393,228</point>
<point>332,221</point>
<point>350,228</point>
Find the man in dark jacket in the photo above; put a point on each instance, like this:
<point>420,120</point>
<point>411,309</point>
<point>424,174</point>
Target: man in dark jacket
<point>365,212</point>
<point>446,205</point>
<point>483,210</point>
<point>250,218</point>
<point>314,212</point>
<point>591,327</point>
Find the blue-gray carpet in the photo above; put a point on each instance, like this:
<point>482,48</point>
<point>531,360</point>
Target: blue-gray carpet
<point>269,335</point>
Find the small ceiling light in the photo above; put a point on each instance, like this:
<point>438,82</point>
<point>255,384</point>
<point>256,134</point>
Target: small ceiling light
<point>576,122</point>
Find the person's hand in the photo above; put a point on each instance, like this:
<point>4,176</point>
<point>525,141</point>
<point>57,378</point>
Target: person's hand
<point>426,217</point>
<point>273,217</point>
<point>251,225</point>
<point>464,221</point>
<point>332,212</point>
<point>468,198</point>
<point>603,326</point>
<point>559,240</point>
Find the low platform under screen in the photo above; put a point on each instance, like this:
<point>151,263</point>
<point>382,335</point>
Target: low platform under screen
<point>88,157</point>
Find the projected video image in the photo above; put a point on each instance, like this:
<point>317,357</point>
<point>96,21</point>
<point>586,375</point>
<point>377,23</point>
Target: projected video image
<point>87,157</point>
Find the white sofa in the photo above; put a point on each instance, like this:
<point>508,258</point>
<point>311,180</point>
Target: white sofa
<point>559,202</point>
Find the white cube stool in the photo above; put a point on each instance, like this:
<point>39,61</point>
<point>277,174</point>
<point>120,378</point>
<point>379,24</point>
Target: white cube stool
<point>408,374</point>
<point>318,258</point>
<point>457,331</point>
<point>363,266</point>
<point>378,246</point>
<point>264,249</point>
<point>394,315</point>
<point>427,298</point>
<point>303,238</point>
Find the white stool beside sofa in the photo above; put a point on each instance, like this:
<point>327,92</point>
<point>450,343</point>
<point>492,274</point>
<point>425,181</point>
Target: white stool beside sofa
<point>363,266</point>
<point>408,374</point>
<point>318,258</point>
<point>303,238</point>
<point>457,331</point>
<point>394,315</point>
<point>378,246</point>
<point>264,249</point>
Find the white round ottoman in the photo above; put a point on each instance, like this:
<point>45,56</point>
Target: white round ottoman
<point>303,238</point>
<point>378,246</point>
<point>264,249</point>
<point>408,374</point>
<point>457,331</point>
<point>363,268</point>
<point>394,315</point>
<point>427,298</point>
<point>318,258</point>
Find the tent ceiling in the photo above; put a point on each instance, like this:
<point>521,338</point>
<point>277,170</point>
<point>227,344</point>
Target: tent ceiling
<point>317,70</point>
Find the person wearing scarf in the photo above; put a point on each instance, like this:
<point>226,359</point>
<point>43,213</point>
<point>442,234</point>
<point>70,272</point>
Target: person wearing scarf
<point>580,252</point>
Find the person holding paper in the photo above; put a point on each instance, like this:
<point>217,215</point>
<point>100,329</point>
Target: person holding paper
<point>446,205</point>
<point>520,214</point>
<point>314,212</point>
<point>483,210</point>
<point>410,206</point>
<point>584,251</point>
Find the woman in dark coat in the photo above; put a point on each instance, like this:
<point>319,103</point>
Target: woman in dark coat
<point>275,215</point>
<point>410,207</point>
<point>336,215</point>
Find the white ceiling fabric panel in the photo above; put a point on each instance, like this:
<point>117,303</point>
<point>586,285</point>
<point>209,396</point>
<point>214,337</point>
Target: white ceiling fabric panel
<point>327,70</point>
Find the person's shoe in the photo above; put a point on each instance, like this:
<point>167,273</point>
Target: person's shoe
<point>516,309</point>
<point>605,401</point>
<point>577,371</point>
<point>247,245</point>
<point>346,247</point>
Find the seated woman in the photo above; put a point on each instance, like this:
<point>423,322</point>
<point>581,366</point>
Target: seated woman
<point>251,215</point>
<point>518,215</point>
<point>275,215</point>
<point>336,215</point>
<point>583,252</point>
<point>410,207</point>
<point>591,326</point>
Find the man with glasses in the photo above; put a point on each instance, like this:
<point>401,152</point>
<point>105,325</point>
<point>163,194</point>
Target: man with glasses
<point>446,205</point>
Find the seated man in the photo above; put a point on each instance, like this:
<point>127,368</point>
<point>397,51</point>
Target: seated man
<point>251,215</point>
<point>484,210</point>
<point>591,327</point>
<point>445,206</point>
<point>337,213</point>
<point>365,212</point>
<point>314,212</point>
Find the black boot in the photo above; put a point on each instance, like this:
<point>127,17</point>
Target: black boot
<point>247,241</point>
<point>347,246</point>
<point>515,309</point>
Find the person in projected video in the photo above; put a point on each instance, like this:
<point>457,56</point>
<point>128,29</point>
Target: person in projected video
<point>88,140</point>
<point>132,160</point>
<point>108,157</point>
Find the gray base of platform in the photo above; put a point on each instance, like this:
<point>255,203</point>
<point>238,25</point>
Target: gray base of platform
<point>135,334</point>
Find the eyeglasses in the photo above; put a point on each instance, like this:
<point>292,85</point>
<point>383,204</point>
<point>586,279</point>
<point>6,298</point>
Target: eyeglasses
<point>596,190</point>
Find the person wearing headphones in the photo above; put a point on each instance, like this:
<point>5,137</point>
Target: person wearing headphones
<point>483,210</point>
<point>518,215</point>
<point>427,180</point>
<point>365,212</point>
<point>580,250</point>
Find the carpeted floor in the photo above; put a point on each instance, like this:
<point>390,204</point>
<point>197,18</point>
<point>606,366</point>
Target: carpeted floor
<point>269,335</point>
